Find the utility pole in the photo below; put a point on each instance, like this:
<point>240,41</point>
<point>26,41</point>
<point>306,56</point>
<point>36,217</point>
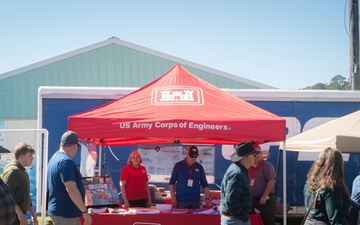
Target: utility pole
<point>354,44</point>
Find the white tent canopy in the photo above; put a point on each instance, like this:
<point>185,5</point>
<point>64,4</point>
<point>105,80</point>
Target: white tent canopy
<point>342,133</point>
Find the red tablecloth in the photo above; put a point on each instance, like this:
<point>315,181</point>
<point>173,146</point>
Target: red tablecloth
<point>164,219</point>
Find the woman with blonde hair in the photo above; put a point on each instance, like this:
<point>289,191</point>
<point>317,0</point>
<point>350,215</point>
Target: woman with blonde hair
<point>134,183</point>
<point>325,181</point>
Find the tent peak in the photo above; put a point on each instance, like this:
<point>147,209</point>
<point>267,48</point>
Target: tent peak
<point>177,106</point>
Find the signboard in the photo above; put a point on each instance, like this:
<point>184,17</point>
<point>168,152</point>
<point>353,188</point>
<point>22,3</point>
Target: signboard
<point>159,160</point>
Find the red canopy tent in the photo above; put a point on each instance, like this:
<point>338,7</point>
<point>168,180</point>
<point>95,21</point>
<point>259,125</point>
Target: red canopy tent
<point>177,107</point>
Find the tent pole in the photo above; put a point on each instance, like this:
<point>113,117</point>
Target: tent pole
<point>100,161</point>
<point>284,185</point>
<point>278,168</point>
<point>41,168</point>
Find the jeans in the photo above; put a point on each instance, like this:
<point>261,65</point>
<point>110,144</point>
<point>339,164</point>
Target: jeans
<point>225,220</point>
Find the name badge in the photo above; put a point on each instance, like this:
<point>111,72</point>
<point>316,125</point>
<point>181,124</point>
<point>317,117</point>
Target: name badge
<point>190,183</point>
<point>252,181</point>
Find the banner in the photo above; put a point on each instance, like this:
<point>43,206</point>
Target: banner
<point>159,160</point>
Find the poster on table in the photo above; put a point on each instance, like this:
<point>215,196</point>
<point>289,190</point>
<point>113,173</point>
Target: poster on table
<point>159,160</point>
<point>100,190</point>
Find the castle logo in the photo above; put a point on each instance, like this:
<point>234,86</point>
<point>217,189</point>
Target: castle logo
<point>179,95</point>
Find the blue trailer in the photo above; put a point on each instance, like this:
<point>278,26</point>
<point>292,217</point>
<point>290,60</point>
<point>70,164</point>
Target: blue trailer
<point>302,109</point>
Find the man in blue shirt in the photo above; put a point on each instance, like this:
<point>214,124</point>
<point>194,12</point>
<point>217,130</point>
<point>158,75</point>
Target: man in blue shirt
<point>236,201</point>
<point>66,190</point>
<point>188,175</point>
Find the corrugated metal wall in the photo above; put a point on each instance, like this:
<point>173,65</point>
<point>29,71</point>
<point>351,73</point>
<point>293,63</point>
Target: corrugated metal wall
<point>111,65</point>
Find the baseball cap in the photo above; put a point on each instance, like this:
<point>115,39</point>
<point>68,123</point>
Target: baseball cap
<point>193,151</point>
<point>69,138</point>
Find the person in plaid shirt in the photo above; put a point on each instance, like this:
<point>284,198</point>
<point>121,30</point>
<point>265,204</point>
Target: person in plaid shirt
<point>236,200</point>
<point>7,205</point>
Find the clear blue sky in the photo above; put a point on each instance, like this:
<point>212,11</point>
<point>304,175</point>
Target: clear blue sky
<point>285,44</point>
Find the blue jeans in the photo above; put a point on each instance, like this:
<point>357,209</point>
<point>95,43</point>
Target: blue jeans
<point>225,220</point>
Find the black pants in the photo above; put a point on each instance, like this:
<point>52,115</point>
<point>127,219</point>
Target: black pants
<point>354,215</point>
<point>267,211</point>
<point>188,205</point>
<point>138,203</point>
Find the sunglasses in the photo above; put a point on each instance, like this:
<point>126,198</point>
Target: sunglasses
<point>256,153</point>
<point>194,156</point>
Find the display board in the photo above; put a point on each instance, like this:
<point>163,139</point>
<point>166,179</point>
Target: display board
<point>100,191</point>
<point>159,160</point>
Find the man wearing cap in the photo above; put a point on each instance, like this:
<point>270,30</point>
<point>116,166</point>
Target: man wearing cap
<point>188,175</point>
<point>262,178</point>
<point>236,202</point>
<point>66,191</point>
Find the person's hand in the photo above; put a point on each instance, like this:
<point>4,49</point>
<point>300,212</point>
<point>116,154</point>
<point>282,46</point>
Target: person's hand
<point>126,204</point>
<point>35,220</point>
<point>263,200</point>
<point>208,203</point>
<point>149,203</point>
<point>22,219</point>
<point>173,202</point>
<point>87,219</point>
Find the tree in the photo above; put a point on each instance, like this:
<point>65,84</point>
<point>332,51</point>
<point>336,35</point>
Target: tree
<point>338,82</point>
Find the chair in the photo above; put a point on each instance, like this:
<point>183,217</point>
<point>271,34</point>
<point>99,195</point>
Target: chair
<point>145,223</point>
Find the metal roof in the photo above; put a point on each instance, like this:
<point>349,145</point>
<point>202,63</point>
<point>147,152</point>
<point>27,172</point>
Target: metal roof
<point>110,63</point>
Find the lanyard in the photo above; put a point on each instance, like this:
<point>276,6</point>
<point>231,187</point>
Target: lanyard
<point>191,171</point>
